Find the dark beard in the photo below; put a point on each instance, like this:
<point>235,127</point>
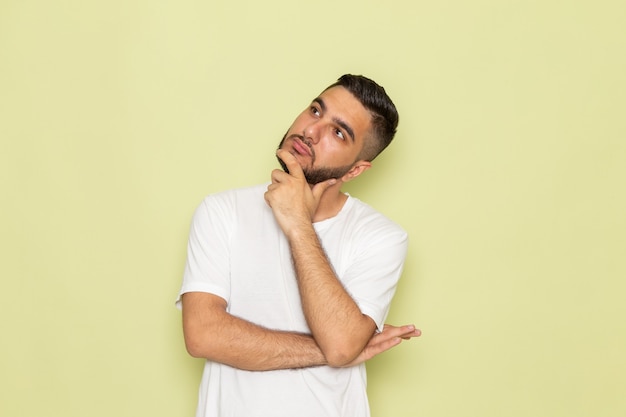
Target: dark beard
<point>316,175</point>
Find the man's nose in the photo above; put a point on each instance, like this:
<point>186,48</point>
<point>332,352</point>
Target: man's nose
<point>312,133</point>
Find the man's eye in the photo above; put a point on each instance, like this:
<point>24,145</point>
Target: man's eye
<point>315,111</point>
<point>339,133</point>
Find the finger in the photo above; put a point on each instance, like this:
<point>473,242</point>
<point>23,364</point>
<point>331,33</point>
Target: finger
<point>412,333</point>
<point>409,336</point>
<point>398,330</point>
<point>416,333</point>
<point>321,187</point>
<point>406,332</point>
<point>278,176</point>
<point>291,162</point>
<point>266,197</point>
<point>384,345</point>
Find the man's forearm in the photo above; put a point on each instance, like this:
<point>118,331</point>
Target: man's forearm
<point>212,333</point>
<point>338,325</point>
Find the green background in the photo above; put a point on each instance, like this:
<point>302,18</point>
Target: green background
<point>508,171</point>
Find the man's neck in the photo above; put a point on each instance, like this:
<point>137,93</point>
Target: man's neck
<point>331,203</point>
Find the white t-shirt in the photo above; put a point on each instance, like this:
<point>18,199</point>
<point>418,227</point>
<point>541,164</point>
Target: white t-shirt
<point>238,252</point>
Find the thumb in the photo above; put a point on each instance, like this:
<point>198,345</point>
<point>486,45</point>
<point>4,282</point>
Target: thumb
<point>321,187</point>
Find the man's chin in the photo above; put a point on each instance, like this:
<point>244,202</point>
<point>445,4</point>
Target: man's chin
<point>284,166</point>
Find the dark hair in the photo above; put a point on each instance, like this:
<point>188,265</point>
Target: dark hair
<point>384,114</point>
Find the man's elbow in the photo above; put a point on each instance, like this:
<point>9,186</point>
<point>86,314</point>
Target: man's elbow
<point>195,348</point>
<point>198,344</point>
<point>343,350</point>
<point>338,356</point>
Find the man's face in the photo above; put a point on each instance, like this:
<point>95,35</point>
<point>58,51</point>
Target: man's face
<point>327,137</point>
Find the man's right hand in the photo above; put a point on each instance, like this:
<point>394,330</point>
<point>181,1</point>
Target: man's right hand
<point>381,342</point>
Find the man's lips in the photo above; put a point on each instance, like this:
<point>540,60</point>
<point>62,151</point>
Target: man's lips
<point>301,147</point>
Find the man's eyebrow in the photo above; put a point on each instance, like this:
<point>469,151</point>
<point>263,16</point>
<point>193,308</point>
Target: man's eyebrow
<point>340,122</point>
<point>320,102</point>
<point>345,127</point>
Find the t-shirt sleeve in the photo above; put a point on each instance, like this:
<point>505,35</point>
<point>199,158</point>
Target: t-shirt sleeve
<point>373,275</point>
<point>208,255</point>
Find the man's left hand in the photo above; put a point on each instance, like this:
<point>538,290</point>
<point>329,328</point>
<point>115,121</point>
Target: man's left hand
<point>292,199</point>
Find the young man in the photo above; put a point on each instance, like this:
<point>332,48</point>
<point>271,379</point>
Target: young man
<point>287,285</point>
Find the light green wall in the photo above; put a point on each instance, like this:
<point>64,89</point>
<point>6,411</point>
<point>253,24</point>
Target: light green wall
<point>116,118</point>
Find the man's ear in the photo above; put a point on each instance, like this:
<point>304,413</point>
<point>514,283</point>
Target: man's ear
<point>357,169</point>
